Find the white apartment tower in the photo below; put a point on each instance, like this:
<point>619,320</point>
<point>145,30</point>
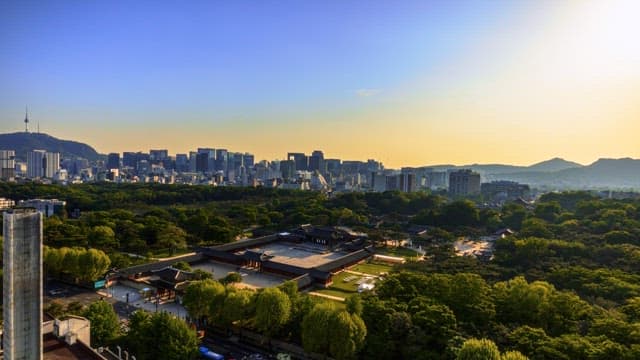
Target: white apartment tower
<point>22,285</point>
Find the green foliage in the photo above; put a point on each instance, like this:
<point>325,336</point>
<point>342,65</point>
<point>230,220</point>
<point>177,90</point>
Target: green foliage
<point>203,298</point>
<point>80,264</point>
<point>273,309</point>
<point>161,336</point>
<point>237,307</point>
<point>231,278</point>
<point>474,349</point>
<point>104,322</point>
<point>182,265</point>
<point>328,330</point>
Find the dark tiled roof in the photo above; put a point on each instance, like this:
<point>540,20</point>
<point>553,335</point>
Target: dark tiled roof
<point>347,259</point>
<point>146,268</point>
<point>173,275</point>
<point>244,244</point>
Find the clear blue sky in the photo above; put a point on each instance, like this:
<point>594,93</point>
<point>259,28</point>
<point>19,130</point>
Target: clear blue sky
<point>112,73</point>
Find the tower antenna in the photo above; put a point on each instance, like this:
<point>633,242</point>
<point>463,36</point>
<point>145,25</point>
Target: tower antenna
<point>26,119</point>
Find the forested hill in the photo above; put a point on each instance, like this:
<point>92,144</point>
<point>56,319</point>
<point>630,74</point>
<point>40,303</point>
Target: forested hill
<point>23,142</point>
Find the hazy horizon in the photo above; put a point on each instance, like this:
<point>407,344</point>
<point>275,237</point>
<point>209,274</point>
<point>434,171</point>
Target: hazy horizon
<point>409,84</point>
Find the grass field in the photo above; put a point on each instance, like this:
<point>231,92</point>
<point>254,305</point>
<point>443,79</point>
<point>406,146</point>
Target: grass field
<point>340,284</point>
<point>334,292</point>
<point>372,268</point>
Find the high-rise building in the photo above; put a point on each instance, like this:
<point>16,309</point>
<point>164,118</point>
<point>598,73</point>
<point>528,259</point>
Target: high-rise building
<point>300,160</point>
<point>210,156</point>
<point>333,166</point>
<point>36,163</point>
<point>316,161</point>
<point>52,164</point>
<point>157,156</point>
<point>113,161</point>
<point>407,182</point>
<point>22,284</point>
<point>192,161</point>
<point>248,160</point>
<point>287,169</point>
<point>7,164</point>
<point>182,163</point>
<point>464,182</point>
<point>129,159</point>
<point>202,162</point>
<point>222,158</point>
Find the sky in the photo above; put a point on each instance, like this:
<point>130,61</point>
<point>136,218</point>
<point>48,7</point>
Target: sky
<point>409,83</point>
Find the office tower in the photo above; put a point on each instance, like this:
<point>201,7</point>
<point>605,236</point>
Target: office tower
<point>202,162</point>
<point>300,160</point>
<point>333,166</point>
<point>248,161</point>
<point>464,182</point>
<point>7,164</point>
<point>129,159</point>
<point>222,158</point>
<point>378,182</point>
<point>210,165</point>
<point>407,182</point>
<point>316,161</point>
<point>182,163</point>
<point>113,161</point>
<point>287,169</point>
<point>157,156</point>
<point>192,161</point>
<point>22,285</point>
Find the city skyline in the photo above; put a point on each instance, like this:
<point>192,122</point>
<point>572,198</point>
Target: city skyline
<point>408,84</point>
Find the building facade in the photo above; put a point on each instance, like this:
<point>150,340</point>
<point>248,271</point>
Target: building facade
<point>7,164</point>
<point>464,182</point>
<point>22,285</point>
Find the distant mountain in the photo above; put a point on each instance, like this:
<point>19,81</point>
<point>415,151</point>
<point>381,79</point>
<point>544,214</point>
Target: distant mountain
<point>23,142</point>
<point>555,164</point>
<point>604,173</point>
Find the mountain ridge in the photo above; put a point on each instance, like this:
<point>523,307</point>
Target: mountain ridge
<point>23,142</point>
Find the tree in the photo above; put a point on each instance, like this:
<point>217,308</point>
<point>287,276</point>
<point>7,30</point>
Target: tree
<point>199,297</point>
<point>316,330</point>
<point>161,336</point>
<point>474,349</point>
<point>326,329</point>
<point>92,264</point>
<point>231,278</point>
<point>237,307</point>
<point>102,237</point>
<point>104,322</point>
<point>172,237</point>
<point>513,355</point>
<point>182,265</point>
<point>273,309</point>
<point>347,334</point>
<point>354,305</point>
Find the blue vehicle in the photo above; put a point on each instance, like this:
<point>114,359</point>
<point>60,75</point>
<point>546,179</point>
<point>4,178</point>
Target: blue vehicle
<point>208,354</point>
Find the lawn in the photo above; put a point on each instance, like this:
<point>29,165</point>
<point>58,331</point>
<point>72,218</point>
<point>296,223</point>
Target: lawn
<point>372,268</point>
<point>397,251</point>
<point>335,292</point>
<point>340,284</point>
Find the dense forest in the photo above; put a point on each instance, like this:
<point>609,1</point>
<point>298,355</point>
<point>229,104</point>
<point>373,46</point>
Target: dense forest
<point>564,286</point>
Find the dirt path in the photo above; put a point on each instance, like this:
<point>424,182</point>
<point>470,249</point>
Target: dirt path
<point>331,297</point>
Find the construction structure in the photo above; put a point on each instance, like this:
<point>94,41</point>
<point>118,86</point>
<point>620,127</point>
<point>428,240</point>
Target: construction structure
<point>22,285</point>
